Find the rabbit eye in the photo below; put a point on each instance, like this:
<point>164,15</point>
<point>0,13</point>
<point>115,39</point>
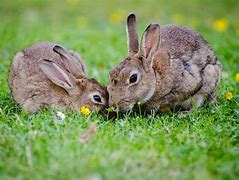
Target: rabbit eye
<point>97,98</point>
<point>133,78</point>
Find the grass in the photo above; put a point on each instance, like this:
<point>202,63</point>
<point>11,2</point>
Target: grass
<point>203,144</point>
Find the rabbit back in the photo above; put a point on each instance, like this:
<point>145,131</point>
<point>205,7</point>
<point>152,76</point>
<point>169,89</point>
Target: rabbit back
<point>194,68</point>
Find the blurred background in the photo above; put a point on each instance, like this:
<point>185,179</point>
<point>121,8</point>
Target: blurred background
<point>96,29</point>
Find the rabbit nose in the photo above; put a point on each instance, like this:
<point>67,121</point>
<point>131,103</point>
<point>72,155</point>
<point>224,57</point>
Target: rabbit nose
<point>113,103</point>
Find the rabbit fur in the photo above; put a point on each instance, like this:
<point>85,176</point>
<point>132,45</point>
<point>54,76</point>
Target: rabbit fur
<point>173,65</point>
<point>46,74</point>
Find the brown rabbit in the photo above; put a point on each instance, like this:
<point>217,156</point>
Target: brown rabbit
<point>174,65</point>
<point>46,74</point>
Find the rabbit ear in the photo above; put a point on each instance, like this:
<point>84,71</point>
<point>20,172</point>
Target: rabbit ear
<point>132,35</point>
<point>150,41</point>
<point>57,75</point>
<point>72,62</point>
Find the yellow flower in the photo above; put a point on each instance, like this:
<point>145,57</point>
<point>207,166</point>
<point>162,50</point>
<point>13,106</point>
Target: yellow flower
<point>193,24</point>
<point>117,17</point>
<point>237,32</point>
<point>84,110</point>
<point>178,18</point>
<point>82,22</point>
<point>229,95</point>
<point>221,25</point>
<point>72,2</point>
<point>139,103</point>
<point>237,77</point>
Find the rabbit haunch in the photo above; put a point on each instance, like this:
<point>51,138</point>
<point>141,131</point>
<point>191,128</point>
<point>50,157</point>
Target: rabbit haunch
<point>173,65</point>
<point>46,74</point>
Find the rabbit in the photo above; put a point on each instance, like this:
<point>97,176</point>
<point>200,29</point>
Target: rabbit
<point>173,66</point>
<point>47,75</point>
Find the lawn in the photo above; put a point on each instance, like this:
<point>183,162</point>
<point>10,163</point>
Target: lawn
<point>203,144</point>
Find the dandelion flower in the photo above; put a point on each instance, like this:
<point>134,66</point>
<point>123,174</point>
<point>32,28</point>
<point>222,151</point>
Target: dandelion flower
<point>221,25</point>
<point>237,77</point>
<point>237,32</point>
<point>193,24</point>
<point>229,95</point>
<point>84,110</point>
<point>178,18</point>
<point>117,17</point>
<point>82,21</point>
<point>72,2</point>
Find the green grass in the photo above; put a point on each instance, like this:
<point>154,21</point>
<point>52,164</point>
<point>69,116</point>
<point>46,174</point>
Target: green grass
<point>202,145</point>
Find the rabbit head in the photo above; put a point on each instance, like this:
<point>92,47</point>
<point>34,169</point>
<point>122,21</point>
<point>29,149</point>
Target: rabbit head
<point>81,90</point>
<point>133,80</point>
